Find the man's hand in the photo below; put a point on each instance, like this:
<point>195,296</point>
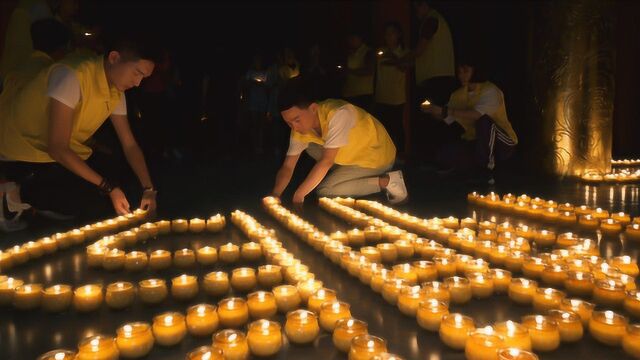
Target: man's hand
<point>119,201</point>
<point>298,198</point>
<point>148,201</point>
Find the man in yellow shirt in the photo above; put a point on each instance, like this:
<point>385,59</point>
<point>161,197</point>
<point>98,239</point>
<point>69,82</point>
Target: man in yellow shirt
<point>45,130</point>
<point>354,153</point>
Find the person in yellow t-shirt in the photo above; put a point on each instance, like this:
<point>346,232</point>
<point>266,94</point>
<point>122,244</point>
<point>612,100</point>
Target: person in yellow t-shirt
<point>360,67</point>
<point>478,109</point>
<point>44,133</point>
<point>353,152</point>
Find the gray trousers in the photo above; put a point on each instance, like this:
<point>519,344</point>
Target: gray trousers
<point>347,180</point>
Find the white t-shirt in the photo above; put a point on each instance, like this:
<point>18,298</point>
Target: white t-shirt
<point>488,102</point>
<point>64,86</point>
<point>343,120</point>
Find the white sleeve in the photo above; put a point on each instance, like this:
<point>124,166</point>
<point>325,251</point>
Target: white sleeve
<point>296,147</point>
<point>64,86</point>
<point>343,120</point>
<point>121,108</point>
<point>488,102</point>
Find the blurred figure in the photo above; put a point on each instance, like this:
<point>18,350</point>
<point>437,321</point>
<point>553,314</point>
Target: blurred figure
<point>390,91</point>
<point>477,109</point>
<point>358,83</point>
<point>256,100</point>
<point>316,73</point>
<point>284,67</point>
<point>290,66</point>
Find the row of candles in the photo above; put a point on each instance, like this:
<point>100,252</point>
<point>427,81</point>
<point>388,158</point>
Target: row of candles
<point>561,214</point>
<point>625,162</point>
<point>619,175</point>
<point>610,283</point>
<point>567,313</point>
<point>264,337</point>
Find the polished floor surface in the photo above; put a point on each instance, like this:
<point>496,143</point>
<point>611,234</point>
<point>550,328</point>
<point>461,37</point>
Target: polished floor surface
<point>25,335</point>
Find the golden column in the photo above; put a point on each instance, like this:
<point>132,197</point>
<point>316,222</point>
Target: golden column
<point>573,58</point>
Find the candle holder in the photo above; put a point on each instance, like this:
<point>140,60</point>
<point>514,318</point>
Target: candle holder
<point>607,327</point>
<point>302,326</point>
<point>364,347</point>
<point>134,340</point>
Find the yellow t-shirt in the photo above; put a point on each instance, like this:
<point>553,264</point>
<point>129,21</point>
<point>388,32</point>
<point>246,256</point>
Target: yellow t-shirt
<point>358,85</point>
<point>24,125</point>
<point>390,81</point>
<point>495,107</point>
<point>369,144</point>
<point>437,59</point>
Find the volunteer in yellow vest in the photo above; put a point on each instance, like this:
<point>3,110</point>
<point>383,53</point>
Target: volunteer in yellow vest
<point>353,152</point>
<point>44,133</point>
<point>391,92</point>
<point>358,86</point>
<point>478,107</point>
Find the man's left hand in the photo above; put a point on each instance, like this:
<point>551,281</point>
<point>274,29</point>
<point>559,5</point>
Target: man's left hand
<point>148,200</point>
<point>298,198</point>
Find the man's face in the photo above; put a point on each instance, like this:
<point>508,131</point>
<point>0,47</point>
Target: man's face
<point>465,72</point>
<point>126,74</point>
<point>301,120</point>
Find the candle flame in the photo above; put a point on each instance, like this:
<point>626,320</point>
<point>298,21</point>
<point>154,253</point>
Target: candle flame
<point>168,320</point>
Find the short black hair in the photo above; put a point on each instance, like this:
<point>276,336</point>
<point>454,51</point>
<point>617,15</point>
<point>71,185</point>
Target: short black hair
<point>135,45</point>
<point>479,69</point>
<point>49,35</point>
<point>398,28</point>
<point>295,92</point>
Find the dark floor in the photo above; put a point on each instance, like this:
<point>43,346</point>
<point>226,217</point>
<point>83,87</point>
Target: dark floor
<point>190,190</point>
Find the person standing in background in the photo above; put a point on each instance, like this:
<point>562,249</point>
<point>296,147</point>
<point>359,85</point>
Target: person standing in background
<point>358,84</point>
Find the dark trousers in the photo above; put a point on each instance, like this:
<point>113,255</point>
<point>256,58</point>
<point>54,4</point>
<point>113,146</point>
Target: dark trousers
<point>50,186</point>
<point>491,146</point>
<point>392,117</point>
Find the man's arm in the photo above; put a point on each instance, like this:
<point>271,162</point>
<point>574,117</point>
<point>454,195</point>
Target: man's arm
<point>317,173</point>
<point>283,177</point>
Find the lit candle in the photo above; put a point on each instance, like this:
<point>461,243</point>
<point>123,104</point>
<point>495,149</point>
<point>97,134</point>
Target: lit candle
<point>430,313</point>
<point>545,238</point>
<point>445,266</point>
<point>631,341</point>
<point>588,222</point>
<point>516,354</point>
<point>120,295</point>
<point>454,330</point>
<point>579,283</point>
<point>372,234</point>
<point>229,253</point>
<point>98,347</point>
<point>233,312</point>
<point>202,320</point>
<point>179,225</point>
<point>436,290</point>
<point>159,260</point>
<point>371,253</point>
<point>308,287</point>
<point>426,270</point>
<point>567,218</point>
<point>521,290</point>
<point>87,298</point>
<point>514,261</point>
<point>302,327</point>
<point>134,340</point>
<point>264,337</point>
<point>609,292</point>
<point>405,272</point>
<point>34,249</point>
<point>269,276</point>
<point>405,248</point>
<point>216,283</point>
<point>49,246</point>
<point>113,260</point>
<point>184,287</point>
<point>408,300</point>
<point>206,353</point>
<point>95,255</point>
<point>356,238</point>
<point>632,232</point>
<point>582,308</point>
<point>152,291</point>
<point>136,261</point>
<point>514,334</point>
<point>388,252</point>
<point>626,265</point>
<point>546,299</point>
<point>483,344</point>
<point>27,297</point>
<point>184,258</point>
<point>364,347</point>
<point>262,305</point>
<point>169,328</point>
<point>233,344</point>
<point>607,327</point>
<point>345,330</point>
<point>163,226</point>
<point>207,255</point>
<point>251,251</point>
<point>151,229</point>
<point>569,324</point>
<point>533,267</point>
<point>610,227</point>
<point>331,312</point>
<point>56,298</point>
<point>481,285</point>
<point>287,298</point>
<point>319,297</point>
<point>545,335</point>
<point>59,354</point>
<point>216,223</point>
<point>459,289</point>
<point>243,279</point>
<point>196,225</point>
<point>501,280</point>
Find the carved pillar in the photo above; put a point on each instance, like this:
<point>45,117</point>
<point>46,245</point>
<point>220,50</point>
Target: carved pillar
<point>573,83</point>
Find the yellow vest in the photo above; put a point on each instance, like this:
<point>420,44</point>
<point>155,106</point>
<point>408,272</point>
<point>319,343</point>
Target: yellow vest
<point>437,59</point>
<point>357,85</point>
<point>390,81</point>
<point>24,125</point>
<point>460,99</point>
<point>369,143</point>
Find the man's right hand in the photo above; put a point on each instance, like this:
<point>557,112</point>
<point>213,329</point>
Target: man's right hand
<point>119,201</point>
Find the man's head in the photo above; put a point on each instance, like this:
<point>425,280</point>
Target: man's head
<point>297,107</point>
<point>51,37</point>
<point>469,71</point>
<point>130,59</point>
<point>421,8</point>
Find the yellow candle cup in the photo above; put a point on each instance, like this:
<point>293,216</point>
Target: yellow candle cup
<point>216,283</point>
<point>120,295</point>
<point>98,347</point>
<point>264,337</point>
<point>301,327</point>
<point>233,312</point>
<point>454,330</point>
<point>134,340</point>
<point>607,327</point>
<point>87,298</point>
<point>544,332</point>
<point>169,328</point>
<point>430,313</point>
<point>233,344</point>
<point>364,347</point>
<point>331,312</point>
<point>56,298</point>
<point>152,291</point>
<point>184,287</point>
<point>569,324</point>
<point>262,305</point>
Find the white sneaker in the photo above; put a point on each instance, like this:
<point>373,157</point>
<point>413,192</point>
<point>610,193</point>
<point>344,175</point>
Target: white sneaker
<point>396,189</point>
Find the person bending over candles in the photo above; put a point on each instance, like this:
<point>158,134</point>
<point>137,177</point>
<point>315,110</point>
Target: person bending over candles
<point>478,110</point>
<point>353,152</point>
<point>44,133</point>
